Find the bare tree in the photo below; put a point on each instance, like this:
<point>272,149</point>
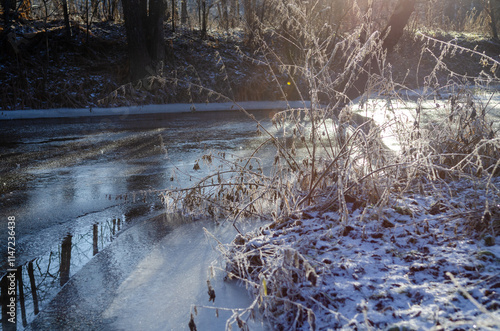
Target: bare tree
<point>204,18</point>
<point>174,14</point>
<point>491,6</point>
<point>8,6</point>
<point>184,12</point>
<point>145,36</point>
<point>391,34</point>
<point>249,7</point>
<point>66,18</point>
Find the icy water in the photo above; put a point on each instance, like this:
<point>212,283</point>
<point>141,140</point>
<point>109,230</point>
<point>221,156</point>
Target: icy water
<point>89,220</point>
<point>392,114</point>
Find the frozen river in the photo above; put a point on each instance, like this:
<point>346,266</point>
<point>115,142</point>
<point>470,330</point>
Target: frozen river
<point>90,228</point>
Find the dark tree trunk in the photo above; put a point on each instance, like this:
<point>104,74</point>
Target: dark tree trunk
<point>7,6</point>
<point>66,18</point>
<point>139,57</point>
<point>392,33</point>
<point>224,15</point>
<point>250,19</point>
<point>22,302</point>
<point>204,16</point>
<point>233,13</point>
<point>493,19</point>
<point>184,12</point>
<point>397,23</point>
<point>64,267</point>
<point>145,35</point>
<point>198,2</point>
<point>174,16</point>
<point>34,293</point>
<point>155,31</point>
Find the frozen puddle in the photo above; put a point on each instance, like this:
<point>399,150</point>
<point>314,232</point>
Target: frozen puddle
<point>150,278</point>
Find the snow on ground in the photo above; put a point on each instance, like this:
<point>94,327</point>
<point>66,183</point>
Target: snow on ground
<point>394,268</point>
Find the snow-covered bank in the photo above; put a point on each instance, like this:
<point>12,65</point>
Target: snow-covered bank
<point>149,109</point>
<point>413,266</point>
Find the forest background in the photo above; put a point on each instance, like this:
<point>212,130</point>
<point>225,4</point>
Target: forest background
<point>65,53</point>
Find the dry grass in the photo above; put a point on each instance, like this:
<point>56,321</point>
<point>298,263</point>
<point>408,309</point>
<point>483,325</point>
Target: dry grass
<point>329,159</point>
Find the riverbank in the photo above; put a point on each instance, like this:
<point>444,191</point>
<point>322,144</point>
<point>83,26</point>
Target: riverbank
<point>426,262</point>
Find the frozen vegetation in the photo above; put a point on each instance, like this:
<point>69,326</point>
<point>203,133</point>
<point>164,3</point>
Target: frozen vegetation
<point>411,265</point>
<point>384,213</point>
<point>401,236</point>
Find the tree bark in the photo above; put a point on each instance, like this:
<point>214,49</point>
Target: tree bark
<point>7,6</point>
<point>392,33</point>
<point>204,16</point>
<point>397,23</point>
<point>174,15</point>
<point>156,45</point>
<point>136,38</point>
<point>233,14</point>
<point>493,19</point>
<point>65,265</point>
<point>224,15</point>
<point>184,12</point>
<point>250,19</point>
<point>66,18</point>
<point>145,36</point>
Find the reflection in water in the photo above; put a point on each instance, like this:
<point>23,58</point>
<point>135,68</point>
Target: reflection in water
<point>65,265</point>
<point>34,295</point>
<point>19,276</point>
<point>39,280</point>
<point>95,231</point>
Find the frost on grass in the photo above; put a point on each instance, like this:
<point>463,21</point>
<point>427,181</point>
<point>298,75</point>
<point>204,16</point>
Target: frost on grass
<point>362,235</point>
<point>404,267</point>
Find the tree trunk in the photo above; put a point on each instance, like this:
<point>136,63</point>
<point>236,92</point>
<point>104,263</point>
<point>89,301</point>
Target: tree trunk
<point>155,32</point>
<point>493,19</point>
<point>198,2</point>
<point>136,38</point>
<point>66,18</point>
<point>394,31</point>
<point>34,294</point>
<point>397,23</point>
<point>184,12</point>
<point>7,6</point>
<point>224,15</point>
<point>204,16</point>
<point>145,35</point>
<point>65,265</point>
<point>233,14</point>
<point>174,16</point>
<point>251,26</point>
